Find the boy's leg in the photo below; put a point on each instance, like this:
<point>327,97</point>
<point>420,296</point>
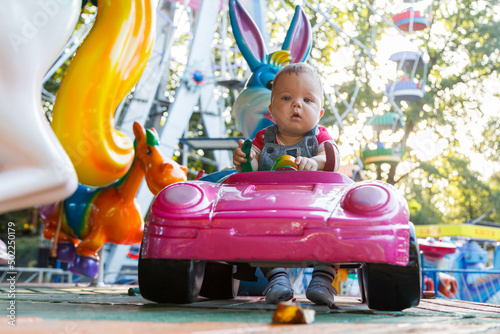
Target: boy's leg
<point>279,288</point>
<point>320,290</point>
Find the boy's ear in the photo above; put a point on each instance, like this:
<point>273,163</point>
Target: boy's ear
<point>321,112</point>
<point>270,109</point>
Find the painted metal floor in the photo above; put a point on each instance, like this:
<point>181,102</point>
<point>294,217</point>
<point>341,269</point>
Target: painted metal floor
<point>83,309</point>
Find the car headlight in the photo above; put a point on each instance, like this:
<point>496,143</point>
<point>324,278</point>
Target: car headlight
<point>366,199</point>
<point>181,196</point>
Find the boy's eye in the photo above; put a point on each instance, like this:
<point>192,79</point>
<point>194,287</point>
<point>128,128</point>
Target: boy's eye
<point>286,98</point>
<point>307,99</point>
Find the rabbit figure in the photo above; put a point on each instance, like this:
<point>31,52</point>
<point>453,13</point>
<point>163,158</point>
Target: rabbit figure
<point>250,110</point>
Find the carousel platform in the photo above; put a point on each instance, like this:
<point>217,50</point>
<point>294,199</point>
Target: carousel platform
<point>70,308</point>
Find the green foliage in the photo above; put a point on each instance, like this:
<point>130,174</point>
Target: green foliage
<point>27,250</point>
<point>451,192</point>
<point>24,222</point>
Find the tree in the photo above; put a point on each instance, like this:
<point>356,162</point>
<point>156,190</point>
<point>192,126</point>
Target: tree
<point>464,48</point>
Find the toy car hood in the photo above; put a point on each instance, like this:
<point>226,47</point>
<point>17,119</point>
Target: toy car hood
<point>273,216</point>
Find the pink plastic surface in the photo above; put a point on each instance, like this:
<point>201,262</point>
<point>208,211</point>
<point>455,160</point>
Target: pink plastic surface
<point>286,217</point>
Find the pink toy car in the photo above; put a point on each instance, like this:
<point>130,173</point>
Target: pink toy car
<point>200,236</point>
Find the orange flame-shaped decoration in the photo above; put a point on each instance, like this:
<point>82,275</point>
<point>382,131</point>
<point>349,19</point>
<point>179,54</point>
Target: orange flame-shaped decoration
<point>105,68</point>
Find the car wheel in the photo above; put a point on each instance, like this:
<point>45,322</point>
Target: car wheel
<point>394,288</point>
<point>170,281</point>
<point>359,272</point>
<point>218,282</point>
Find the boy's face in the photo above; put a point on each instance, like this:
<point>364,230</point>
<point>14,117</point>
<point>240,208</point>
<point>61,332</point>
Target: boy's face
<point>297,103</point>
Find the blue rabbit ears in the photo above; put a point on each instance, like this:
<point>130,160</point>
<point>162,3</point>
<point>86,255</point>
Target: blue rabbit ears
<point>298,39</point>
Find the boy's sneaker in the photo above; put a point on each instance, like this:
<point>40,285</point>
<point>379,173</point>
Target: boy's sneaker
<point>320,290</point>
<point>278,290</point>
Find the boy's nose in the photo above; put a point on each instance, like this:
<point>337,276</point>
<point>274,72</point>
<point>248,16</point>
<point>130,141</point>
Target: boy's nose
<point>296,103</point>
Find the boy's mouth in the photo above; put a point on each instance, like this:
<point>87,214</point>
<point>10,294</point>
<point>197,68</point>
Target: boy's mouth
<point>295,115</point>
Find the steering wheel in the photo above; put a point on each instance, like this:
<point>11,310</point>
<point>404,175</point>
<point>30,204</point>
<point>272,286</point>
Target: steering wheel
<point>285,163</point>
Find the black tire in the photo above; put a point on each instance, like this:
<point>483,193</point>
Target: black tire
<point>170,281</point>
<point>394,288</point>
<point>218,282</point>
<point>359,272</point>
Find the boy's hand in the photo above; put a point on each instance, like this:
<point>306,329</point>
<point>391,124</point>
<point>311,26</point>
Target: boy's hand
<point>306,163</point>
<point>239,157</point>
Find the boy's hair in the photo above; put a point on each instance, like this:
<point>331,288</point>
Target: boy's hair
<point>297,68</point>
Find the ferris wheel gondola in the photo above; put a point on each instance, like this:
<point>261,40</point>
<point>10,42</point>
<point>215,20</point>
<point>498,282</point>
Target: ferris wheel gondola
<point>410,20</point>
<point>411,87</point>
<point>379,153</point>
<point>409,61</point>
